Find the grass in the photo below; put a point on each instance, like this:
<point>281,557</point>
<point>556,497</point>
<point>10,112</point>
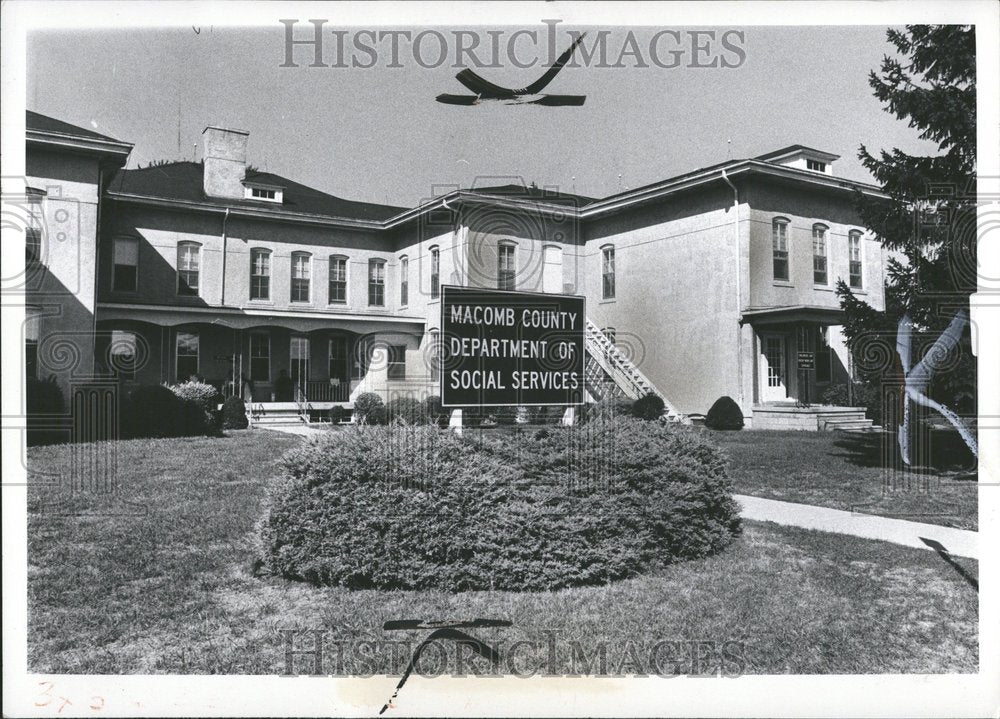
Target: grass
<point>157,578</point>
<point>845,471</point>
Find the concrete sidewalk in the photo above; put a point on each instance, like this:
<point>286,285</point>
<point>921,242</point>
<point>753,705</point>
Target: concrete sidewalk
<point>960,542</point>
<point>300,430</point>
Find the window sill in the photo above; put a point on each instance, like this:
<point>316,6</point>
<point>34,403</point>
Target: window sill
<point>337,306</point>
<point>607,301</point>
<point>268,303</point>
<point>824,288</point>
<point>782,283</point>
<point>858,291</point>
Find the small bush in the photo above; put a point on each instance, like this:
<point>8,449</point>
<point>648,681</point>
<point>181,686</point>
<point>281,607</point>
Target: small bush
<point>436,414</point>
<point>405,410</point>
<point>369,409</point>
<point>609,407</point>
<point>836,395</point>
<point>44,405</point>
<point>336,414</point>
<point>724,414</point>
<point>234,413</point>
<point>156,411</point>
<point>204,395</point>
<point>648,407</point>
<point>513,512</point>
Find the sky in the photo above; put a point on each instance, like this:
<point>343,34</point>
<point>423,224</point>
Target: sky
<point>376,134</point>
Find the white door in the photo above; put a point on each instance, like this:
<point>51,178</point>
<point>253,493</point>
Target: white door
<point>773,369</point>
<point>299,355</point>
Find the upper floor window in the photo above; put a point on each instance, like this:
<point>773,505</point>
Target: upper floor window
<point>122,354</point>
<point>506,267</point>
<point>608,272</point>
<point>125,265</point>
<point>188,264</point>
<point>816,165</point>
<point>268,194</point>
<point>376,283</point>
<point>404,281</point>
<point>854,258</point>
<point>435,273</point>
<point>338,280</point>
<point>260,274</point>
<point>819,254</point>
<point>187,355</point>
<point>779,248</point>
<point>301,274</point>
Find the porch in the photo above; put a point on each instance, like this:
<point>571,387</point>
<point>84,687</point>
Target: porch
<point>811,418</point>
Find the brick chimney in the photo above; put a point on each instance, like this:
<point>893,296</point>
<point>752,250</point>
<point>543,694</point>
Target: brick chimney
<point>225,156</point>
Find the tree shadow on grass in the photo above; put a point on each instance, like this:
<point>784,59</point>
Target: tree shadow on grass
<point>942,453</point>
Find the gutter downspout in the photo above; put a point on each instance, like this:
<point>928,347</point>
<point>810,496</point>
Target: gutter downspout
<point>225,243</point>
<point>739,293</point>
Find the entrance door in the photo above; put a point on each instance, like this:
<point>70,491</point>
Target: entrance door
<point>773,369</point>
<point>299,355</point>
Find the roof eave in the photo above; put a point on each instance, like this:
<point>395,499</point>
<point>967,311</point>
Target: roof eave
<point>77,143</point>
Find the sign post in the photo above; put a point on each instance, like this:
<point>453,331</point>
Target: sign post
<point>806,363</point>
<point>511,349</point>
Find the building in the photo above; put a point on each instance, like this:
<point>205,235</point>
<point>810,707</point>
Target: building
<point>706,284</point>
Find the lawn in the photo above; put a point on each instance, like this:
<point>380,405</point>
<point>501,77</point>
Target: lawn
<point>157,578</point>
<point>845,471</point>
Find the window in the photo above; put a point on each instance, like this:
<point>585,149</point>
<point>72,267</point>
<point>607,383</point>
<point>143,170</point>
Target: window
<point>435,273</point>
<point>816,165</point>
<point>260,357</point>
<point>300,276</point>
<point>376,283</point>
<point>506,268</point>
<point>122,354</point>
<point>819,254</point>
<point>125,265</point>
<point>261,194</point>
<point>779,248</point>
<point>854,258</point>
<point>404,281</point>
<point>822,355</point>
<point>187,355</point>
<point>338,281</point>
<point>338,359</point>
<point>608,273</point>
<point>260,274</point>
<point>188,262</point>
<point>397,362</point>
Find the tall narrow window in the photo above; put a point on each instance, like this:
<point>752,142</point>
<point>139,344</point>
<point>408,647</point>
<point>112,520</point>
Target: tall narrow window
<point>819,254</point>
<point>125,266</point>
<point>397,362</point>
<point>404,281</point>
<point>779,248</point>
<point>435,273</point>
<point>376,283</point>
<point>854,258</point>
<point>260,357</point>
<point>506,267</point>
<point>608,273</point>
<point>188,265</point>
<point>338,359</point>
<point>121,354</point>
<point>187,355</point>
<point>300,276</point>
<point>260,274</point>
<point>823,371</point>
<point>338,280</point>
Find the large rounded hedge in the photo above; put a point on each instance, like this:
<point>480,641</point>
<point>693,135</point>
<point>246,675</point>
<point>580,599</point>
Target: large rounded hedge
<point>415,507</point>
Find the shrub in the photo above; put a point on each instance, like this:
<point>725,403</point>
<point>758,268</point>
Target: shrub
<point>405,410</point>
<point>836,395</point>
<point>648,407</point>
<point>204,395</point>
<point>609,407</point>
<point>369,409</point>
<point>155,411</point>
<point>44,405</point>
<point>434,411</point>
<point>524,511</point>
<point>234,413</point>
<point>724,414</point>
<point>336,414</point>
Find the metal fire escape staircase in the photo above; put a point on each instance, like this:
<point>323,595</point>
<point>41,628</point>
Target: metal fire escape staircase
<point>610,373</point>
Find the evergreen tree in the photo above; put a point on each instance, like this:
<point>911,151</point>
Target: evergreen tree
<point>928,224</point>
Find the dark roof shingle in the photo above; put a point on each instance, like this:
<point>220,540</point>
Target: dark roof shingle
<point>43,123</point>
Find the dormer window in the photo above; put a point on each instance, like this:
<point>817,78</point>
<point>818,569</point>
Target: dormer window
<point>815,165</point>
<point>264,193</point>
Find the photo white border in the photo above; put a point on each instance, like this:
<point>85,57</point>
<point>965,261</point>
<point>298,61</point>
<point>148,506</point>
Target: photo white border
<point>812,696</point>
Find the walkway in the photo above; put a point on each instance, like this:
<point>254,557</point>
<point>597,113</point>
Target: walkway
<point>300,430</point>
<point>959,542</point>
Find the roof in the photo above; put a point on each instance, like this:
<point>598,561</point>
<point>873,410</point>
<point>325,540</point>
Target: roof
<point>43,123</point>
<point>774,154</point>
<point>183,181</point>
<point>549,195</point>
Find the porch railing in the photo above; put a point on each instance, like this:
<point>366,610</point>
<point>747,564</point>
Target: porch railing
<point>323,391</point>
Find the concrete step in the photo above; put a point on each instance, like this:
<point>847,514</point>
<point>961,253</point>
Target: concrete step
<point>844,425</point>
